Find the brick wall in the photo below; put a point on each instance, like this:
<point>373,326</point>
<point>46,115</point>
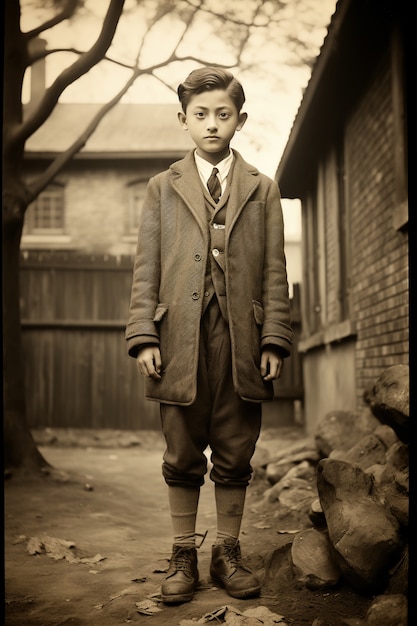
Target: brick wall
<point>379,252</point>
<point>96,203</point>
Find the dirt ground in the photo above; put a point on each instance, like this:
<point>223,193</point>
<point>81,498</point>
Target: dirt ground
<point>89,544</point>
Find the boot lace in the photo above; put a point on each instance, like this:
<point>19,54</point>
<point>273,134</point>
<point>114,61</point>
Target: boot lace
<point>181,557</point>
<point>232,553</point>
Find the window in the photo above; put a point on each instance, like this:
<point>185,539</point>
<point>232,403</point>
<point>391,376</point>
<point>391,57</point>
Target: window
<point>326,253</point>
<point>45,216</point>
<point>136,195</point>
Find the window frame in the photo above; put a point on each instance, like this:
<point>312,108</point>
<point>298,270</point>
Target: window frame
<point>54,196</point>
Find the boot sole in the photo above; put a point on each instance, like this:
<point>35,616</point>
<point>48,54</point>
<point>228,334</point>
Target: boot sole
<point>243,593</point>
<point>176,599</point>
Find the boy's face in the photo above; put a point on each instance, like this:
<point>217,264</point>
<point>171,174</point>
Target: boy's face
<point>212,119</point>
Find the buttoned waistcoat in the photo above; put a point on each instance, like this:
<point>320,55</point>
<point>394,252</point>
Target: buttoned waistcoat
<point>169,272</point>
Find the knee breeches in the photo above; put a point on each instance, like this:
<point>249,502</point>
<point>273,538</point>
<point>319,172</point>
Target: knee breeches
<point>218,418</point>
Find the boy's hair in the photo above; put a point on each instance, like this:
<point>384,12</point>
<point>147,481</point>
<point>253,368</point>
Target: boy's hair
<point>209,79</point>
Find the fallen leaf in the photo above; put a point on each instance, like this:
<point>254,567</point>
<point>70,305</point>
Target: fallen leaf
<point>93,559</point>
<point>147,607</point>
<point>266,616</point>
<point>59,549</point>
<point>262,526</point>
<point>221,612</point>
<point>54,548</point>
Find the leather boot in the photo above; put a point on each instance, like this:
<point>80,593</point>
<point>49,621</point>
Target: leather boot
<point>227,571</point>
<point>182,577</point>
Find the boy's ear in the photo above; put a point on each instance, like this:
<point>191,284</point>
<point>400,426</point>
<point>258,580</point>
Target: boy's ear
<point>182,118</point>
<point>242,119</point>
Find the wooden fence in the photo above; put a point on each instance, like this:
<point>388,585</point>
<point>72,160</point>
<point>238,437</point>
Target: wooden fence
<point>78,375</point>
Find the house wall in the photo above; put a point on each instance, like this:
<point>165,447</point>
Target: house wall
<point>348,343</point>
<point>329,377</point>
<point>379,255</point>
<point>96,205</point>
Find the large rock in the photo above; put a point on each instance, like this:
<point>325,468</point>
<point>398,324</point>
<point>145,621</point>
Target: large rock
<point>313,560</point>
<point>389,399</point>
<point>388,610</point>
<point>364,534</point>
<point>370,450</point>
<point>341,430</point>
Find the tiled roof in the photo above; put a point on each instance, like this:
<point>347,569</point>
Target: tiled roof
<point>127,129</point>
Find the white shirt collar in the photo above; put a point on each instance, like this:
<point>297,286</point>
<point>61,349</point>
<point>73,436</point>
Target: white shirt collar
<point>205,168</point>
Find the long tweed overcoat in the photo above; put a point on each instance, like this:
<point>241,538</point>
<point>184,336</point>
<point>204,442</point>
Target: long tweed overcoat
<point>169,271</point>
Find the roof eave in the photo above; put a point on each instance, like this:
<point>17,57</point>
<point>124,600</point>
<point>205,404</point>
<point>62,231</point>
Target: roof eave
<point>107,156</point>
<point>314,90</point>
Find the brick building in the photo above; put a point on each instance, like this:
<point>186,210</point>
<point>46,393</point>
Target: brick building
<point>346,160</point>
<point>94,203</point>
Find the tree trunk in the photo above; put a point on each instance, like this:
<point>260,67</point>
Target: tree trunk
<point>20,450</point>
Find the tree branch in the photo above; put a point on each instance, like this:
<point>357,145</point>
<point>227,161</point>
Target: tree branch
<point>66,13</point>
<point>80,67</point>
<point>38,185</point>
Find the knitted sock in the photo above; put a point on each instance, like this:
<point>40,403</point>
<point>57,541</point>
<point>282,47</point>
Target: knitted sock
<point>230,502</point>
<point>183,504</point>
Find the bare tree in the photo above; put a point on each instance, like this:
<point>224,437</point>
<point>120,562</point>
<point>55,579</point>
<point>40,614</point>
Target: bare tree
<point>19,447</point>
<point>238,25</point>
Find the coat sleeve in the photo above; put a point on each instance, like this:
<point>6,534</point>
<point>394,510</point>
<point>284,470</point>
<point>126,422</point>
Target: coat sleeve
<point>276,329</point>
<point>142,327</point>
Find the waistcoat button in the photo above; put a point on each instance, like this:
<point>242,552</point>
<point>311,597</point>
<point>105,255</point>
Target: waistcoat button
<point>195,295</point>
<point>215,252</point>
<point>197,257</point>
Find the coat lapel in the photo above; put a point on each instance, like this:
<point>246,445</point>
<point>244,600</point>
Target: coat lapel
<point>187,183</point>
<point>245,179</point>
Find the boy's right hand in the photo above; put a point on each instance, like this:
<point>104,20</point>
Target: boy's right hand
<point>149,362</point>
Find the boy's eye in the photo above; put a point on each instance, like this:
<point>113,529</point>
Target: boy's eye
<point>224,115</point>
<point>200,114</point>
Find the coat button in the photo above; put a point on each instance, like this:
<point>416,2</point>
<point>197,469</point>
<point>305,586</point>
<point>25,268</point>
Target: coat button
<point>197,257</point>
<point>215,252</point>
<point>195,295</point>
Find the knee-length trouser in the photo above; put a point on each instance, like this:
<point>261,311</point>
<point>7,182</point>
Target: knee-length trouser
<point>218,418</point>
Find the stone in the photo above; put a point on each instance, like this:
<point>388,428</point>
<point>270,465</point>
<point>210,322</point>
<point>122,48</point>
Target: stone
<point>368,451</point>
<point>299,496</point>
<point>388,610</point>
<point>389,399</point>
<point>364,535</point>
<point>386,434</point>
<point>316,514</point>
<point>313,561</point>
<point>275,471</point>
<point>341,430</point>
<point>399,575</point>
<point>397,456</point>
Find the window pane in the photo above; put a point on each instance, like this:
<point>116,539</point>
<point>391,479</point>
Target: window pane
<point>46,214</point>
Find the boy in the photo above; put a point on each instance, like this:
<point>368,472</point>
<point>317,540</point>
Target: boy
<point>209,323</point>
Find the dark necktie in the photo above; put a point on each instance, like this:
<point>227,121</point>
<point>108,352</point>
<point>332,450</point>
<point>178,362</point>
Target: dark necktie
<point>214,185</point>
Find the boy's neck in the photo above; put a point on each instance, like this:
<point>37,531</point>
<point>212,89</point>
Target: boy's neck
<point>215,158</point>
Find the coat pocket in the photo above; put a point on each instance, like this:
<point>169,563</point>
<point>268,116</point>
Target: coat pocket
<point>160,311</point>
<point>258,312</point>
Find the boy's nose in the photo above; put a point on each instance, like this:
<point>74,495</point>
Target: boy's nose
<point>211,124</point>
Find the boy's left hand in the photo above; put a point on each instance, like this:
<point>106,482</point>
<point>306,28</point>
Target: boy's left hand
<point>271,364</point>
